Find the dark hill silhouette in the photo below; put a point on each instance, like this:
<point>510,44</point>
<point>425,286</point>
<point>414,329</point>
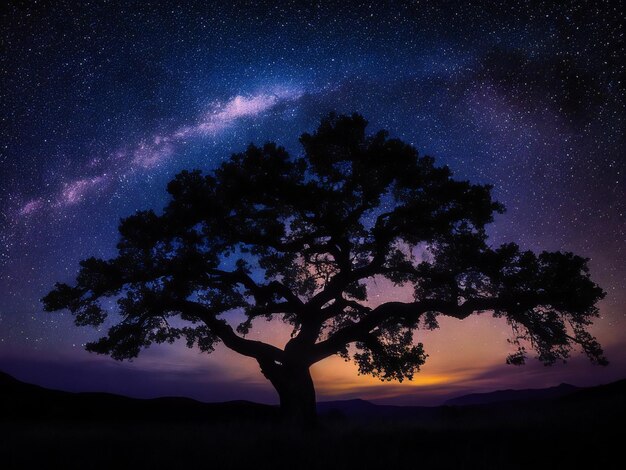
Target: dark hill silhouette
<point>41,428</point>
<point>500,396</point>
<point>22,401</point>
<point>366,410</point>
<point>613,390</point>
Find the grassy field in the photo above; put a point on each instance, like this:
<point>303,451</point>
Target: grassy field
<point>335,444</point>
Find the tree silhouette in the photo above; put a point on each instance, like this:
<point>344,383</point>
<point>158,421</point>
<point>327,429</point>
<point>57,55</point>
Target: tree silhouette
<point>297,239</point>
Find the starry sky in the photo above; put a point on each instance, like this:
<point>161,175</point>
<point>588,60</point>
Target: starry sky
<point>103,102</point>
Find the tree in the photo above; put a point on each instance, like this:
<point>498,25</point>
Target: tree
<point>297,239</point>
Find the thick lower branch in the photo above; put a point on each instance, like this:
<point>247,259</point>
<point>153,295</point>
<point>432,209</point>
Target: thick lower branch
<point>400,311</point>
<point>232,340</point>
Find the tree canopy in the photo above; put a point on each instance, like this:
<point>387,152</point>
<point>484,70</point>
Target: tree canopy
<point>297,239</point>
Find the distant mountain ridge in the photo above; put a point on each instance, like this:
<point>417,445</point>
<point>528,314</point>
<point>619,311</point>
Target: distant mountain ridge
<point>24,401</point>
<point>43,428</point>
<point>21,401</point>
<point>500,396</point>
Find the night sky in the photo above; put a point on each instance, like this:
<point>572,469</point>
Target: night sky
<point>104,102</point>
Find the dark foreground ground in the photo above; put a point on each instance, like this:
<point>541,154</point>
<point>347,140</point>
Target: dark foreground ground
<point>46,429</point>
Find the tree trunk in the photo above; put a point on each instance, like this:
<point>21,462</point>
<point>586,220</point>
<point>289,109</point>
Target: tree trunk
<point>297,397</point>
<point>296,392</point>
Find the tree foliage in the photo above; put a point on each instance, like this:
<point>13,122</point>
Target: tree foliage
<point>297,239</point>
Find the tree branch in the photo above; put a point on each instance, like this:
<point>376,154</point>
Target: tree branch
<point>409,312</point>
<point>243,346</point>
<point>262,293</point>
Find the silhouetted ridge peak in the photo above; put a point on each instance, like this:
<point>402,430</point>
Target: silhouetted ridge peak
<point>500,396</point>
